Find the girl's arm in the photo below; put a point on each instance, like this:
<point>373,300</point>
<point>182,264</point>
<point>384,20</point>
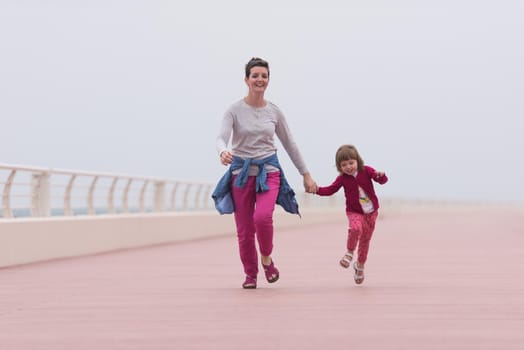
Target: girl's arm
<point>331,189</point>
<point>377,176</point>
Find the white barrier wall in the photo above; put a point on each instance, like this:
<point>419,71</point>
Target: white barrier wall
<point>31,240</point>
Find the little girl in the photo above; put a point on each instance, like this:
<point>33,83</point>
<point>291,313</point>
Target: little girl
<point>361,204</point>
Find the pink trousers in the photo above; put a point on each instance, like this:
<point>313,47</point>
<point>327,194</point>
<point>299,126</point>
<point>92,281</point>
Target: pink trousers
<point>361,227</point>
<point>254,217</point>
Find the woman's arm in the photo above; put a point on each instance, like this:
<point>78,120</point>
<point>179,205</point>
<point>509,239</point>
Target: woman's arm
<point>284,135</point>
<point>224,134</point>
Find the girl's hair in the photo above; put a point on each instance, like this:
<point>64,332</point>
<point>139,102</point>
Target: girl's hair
<point>256,62</point>
<point>347,152</point>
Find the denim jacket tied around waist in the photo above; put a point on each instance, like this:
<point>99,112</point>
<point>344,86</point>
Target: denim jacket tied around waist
<point>222,193</point>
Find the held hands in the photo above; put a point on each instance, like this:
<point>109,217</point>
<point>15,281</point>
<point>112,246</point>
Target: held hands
<point>226,157</point>
<point>309,184</point>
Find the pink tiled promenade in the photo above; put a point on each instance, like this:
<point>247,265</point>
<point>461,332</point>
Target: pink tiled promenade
<point>435,280</point>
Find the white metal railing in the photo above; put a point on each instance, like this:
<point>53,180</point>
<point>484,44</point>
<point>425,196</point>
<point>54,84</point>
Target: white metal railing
<point>39,192</point>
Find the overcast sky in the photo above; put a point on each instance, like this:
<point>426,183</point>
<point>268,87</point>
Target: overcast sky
<point>431,92</point>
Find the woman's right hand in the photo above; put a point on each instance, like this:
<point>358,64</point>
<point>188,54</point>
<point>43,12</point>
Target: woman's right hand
<point>226,157</point>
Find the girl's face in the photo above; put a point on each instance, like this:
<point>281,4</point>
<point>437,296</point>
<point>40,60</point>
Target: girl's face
<point>258,79</point>
<point>349,167</point>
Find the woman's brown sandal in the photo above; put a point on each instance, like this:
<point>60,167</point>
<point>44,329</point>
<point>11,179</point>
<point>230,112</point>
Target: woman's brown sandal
<point>250,283</point>
<point>271,272</point>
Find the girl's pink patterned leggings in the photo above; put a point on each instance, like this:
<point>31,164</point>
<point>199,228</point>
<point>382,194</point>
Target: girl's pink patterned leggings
<point>361,227</point>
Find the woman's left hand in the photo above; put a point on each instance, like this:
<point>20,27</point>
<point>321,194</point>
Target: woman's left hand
<point>309,184</point>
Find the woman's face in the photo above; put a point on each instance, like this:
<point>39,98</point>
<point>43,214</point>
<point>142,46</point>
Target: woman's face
<point>258,79</point>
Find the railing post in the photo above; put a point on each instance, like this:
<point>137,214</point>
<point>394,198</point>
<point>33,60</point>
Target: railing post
<point>6,196</point>
<point>111,196</point>
<point>197,196</point>
<point>159,199</point>
<point>125,197</point>
<point>68,210</point>
<point>142,198</point>
<point>90,197</point>
<point>173,197</point>
<point>207,195</point>
<point>40,199</point>
<point>186,196</point>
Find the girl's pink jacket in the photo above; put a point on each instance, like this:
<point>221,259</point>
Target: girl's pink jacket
<point>351,183</point>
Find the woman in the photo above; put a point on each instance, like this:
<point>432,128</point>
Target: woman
<point>255,175</point>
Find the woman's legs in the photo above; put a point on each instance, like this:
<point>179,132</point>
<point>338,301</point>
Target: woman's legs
<point>254,214</point>
<point>263,216</point>
<point>244,199</point>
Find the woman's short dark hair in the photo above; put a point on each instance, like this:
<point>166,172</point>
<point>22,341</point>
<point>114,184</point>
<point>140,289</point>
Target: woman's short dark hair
<point>256,62</point>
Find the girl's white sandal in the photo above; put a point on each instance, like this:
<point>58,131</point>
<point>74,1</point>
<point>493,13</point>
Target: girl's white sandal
<point>345,262</point>
<point>359,273</point>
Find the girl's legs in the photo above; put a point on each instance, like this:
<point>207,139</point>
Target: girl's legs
<point>368,226</point>
<point>354,230</point>
<point>361,227</point>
